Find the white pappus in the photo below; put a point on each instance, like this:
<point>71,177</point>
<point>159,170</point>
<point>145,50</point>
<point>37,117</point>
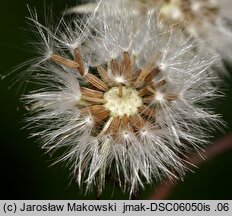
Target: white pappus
<point>122,95</point>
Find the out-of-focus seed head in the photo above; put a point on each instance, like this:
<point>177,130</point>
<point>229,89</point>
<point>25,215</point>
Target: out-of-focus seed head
<point>209,22</point>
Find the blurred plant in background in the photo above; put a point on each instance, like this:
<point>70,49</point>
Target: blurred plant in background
<point>208,21</point>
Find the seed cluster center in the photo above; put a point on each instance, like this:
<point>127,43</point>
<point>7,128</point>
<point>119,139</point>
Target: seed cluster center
<point>127,104</point>
<point>116,106</point>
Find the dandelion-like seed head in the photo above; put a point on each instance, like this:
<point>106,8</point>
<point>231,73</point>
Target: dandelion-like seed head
<point>207,21</point>
<point>128,100</point>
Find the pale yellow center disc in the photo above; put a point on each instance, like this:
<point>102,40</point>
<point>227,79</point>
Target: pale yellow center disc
<point>127,104</point>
